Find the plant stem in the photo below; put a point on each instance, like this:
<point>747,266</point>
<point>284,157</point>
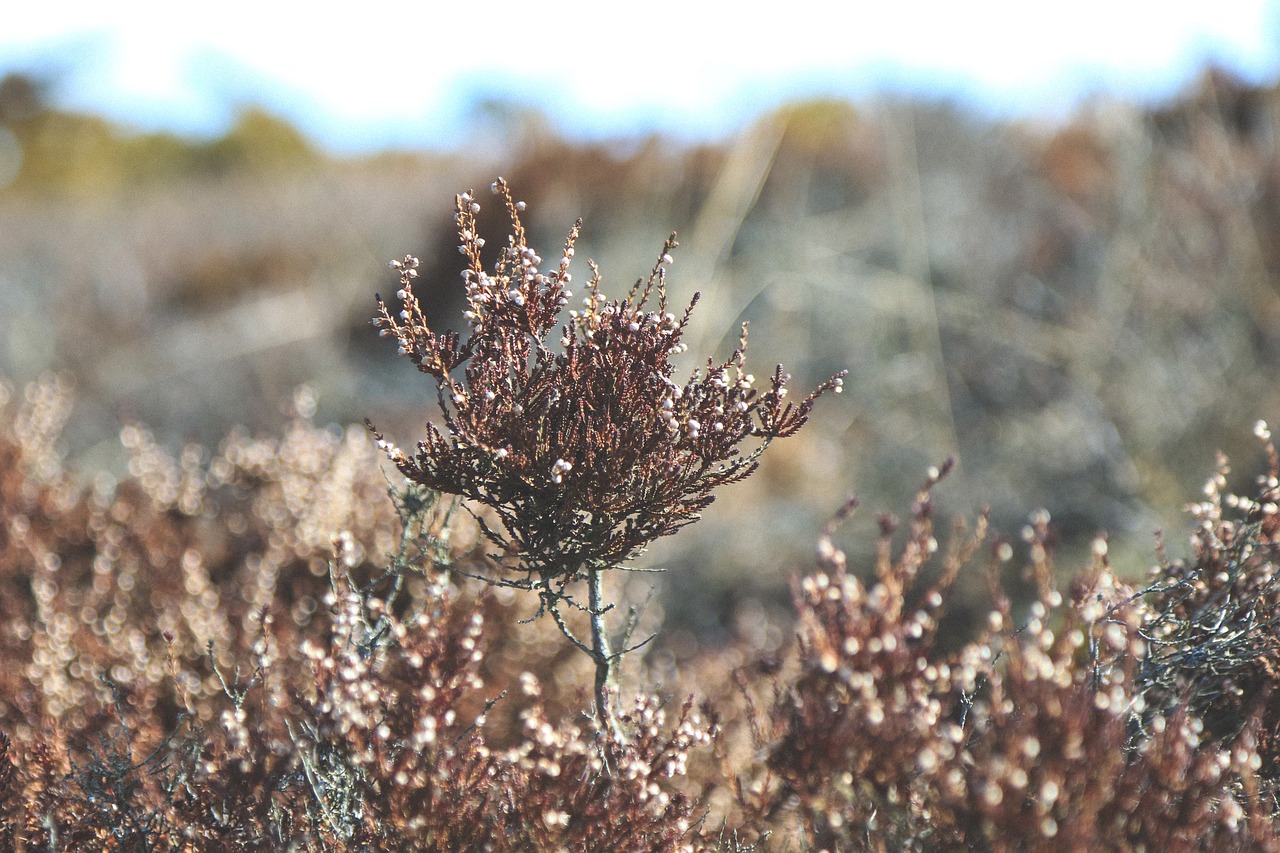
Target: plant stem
<point>602,654</point>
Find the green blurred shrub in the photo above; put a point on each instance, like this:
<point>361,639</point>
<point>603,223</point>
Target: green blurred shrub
<point>63,151</point>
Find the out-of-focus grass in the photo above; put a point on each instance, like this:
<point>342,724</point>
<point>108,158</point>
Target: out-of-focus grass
<point>1081,314</point>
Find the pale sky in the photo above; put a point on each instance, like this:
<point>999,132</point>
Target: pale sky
<point>376,74</point>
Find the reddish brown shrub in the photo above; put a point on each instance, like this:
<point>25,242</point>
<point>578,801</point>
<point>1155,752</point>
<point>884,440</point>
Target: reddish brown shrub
<point>588,454</point>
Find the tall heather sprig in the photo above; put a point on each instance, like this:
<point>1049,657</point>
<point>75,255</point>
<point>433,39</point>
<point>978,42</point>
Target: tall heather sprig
<point>587,451</point>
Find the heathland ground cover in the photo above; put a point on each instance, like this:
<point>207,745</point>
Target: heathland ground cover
<point>274,637</point>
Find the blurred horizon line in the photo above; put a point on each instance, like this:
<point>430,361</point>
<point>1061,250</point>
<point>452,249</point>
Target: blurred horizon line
<point>480,103</point>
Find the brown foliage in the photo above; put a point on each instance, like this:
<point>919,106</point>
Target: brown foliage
<point>588,454</point>
<point>1030,737</point>
<point>253,648</point>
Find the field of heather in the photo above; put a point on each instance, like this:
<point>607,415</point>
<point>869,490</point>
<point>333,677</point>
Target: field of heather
<point>552,602</point>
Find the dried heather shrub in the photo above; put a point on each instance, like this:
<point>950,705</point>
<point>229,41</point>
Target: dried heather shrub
<point>873,693</point>
<point>1050,759</point>
<point>1211,623</point>
<point>587,453</point>
<point>126,603</point>
<point>251,649</point>
<point>188,666</point>
<point>1028,737</point>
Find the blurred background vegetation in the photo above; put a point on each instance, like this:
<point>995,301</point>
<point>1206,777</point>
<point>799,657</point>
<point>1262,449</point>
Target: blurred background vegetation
<point>1082,312</point>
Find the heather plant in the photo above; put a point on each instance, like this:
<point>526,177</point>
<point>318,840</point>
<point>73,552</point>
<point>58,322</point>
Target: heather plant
<point>587,452</point>
<point>1212,623</point>
<point>1026,737</point>
<point>191,663</point>
<point>248,647</point>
